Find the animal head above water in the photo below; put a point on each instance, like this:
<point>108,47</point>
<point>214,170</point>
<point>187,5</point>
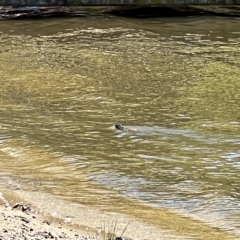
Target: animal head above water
<point>119,126</point>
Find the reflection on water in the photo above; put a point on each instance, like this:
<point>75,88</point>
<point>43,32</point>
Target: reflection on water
<point>64,84</point>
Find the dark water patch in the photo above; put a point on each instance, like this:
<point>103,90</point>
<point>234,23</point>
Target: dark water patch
<point>173,11</point>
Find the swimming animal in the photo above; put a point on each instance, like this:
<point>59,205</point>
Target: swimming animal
<point>120,127</point>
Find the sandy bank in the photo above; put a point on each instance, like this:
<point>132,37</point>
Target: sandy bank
<point>22,222</point>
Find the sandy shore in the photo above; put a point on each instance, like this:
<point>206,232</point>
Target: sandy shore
<point>21,222</point>
<point>16,224</point>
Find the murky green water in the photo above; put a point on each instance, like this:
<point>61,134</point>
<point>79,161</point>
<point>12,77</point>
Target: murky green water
<point>64,83</point>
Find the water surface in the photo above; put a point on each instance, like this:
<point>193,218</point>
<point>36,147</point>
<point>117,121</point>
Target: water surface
<point>64,83</point>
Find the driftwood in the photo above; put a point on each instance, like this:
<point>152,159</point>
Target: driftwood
<point>37,12</point>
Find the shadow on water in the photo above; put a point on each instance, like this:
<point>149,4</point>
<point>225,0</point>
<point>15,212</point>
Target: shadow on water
<point>175,11</point>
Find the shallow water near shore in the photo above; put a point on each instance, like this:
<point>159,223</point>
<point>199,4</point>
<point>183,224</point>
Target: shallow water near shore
<point>64,83</point>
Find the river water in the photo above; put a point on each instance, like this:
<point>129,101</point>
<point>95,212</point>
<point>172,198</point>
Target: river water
<point>66,82</point>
